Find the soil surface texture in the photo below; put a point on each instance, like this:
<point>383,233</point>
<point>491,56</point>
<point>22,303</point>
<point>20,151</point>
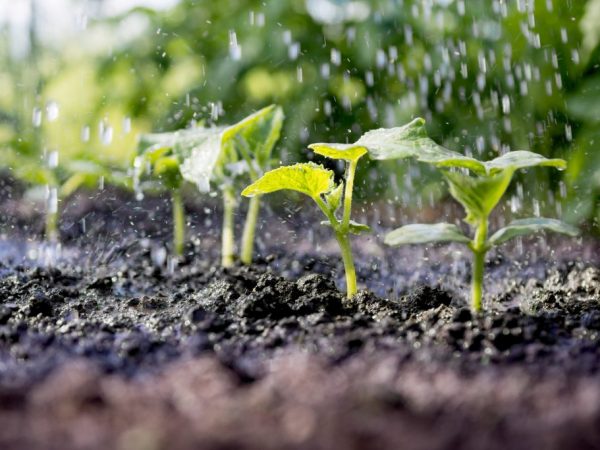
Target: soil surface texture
<point>106,342</point>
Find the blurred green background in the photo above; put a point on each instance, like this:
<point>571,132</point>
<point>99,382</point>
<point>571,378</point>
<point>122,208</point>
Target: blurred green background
<point>82,82</point>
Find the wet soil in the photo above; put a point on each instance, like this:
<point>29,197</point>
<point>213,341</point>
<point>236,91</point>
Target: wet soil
<point>114,347</point>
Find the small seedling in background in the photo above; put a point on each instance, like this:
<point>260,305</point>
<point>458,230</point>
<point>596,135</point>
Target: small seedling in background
<point>478,194</point>
<point>54,180</point>
<point>158,156</point>
<point>318,183</point>
<point>219,155</point>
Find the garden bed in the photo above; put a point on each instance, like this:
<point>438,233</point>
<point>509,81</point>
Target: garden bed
<point>112,347</point>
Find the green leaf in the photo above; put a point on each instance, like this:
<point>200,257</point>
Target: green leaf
<point>308,178</point>
<point>167,169</point>
<point>528,226</point>
<point>258,133</point>
<point>521,159</point>
<point>411,141</point>
<point>334,198</point>
<point>347,152</point>
<point>424,233</point>
<point>353,227</point>
<point>478,195</point>
<point>199,156</point>
<point>205,153</point>
<point>197,151</point>
<point>359,228</point>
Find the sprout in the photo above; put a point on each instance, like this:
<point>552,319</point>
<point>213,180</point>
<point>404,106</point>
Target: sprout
<point>218,155</point>
<point>318,183</point>
<point>58,179</point>
<point>478,194</point>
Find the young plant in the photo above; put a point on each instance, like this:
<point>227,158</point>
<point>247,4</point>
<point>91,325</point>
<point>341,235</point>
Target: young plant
<point>318,183</point>
<point>54,180</point>
<point>219,155</point>
<point>478,193</point>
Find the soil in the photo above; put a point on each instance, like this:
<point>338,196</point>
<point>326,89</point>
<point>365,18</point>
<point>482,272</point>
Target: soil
<point>113,346</point>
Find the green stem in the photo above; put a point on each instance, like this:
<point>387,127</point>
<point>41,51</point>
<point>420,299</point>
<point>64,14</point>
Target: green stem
<point>351,170</point>
<point>344,242</point>
<point>51,226</point>
<point>178,222</point>
<point>479,247</point>
<point>341,231</point>
<point>249,230</point>
<point>227,238</point>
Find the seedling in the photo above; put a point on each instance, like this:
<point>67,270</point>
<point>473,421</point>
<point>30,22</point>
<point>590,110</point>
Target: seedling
<point>318,183</point>
<point>219,155</point>
<point>56,180</point>
<point>478,193</point>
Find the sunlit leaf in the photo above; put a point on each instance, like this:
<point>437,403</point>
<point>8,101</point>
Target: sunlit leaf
<point>308,178</point>
<point>424,233</point>
<point>530,226</point>
<point>346,152</point>
<point>478,195</point>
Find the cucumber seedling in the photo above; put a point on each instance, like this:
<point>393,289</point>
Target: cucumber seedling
<point>478,192</point>
<point>318,183</point>
<point>218,155</point>
<point>55,180</point>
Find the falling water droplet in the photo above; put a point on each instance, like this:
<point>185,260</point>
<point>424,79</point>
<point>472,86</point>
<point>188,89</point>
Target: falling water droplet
<point>85,134</point>
<point>52,159</point>
<point>235,50</point>
<point>36,117</point>
<point>52,111</point>
<point>126,125</point>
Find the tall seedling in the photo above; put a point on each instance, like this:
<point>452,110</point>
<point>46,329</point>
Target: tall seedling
<point>318,183</point>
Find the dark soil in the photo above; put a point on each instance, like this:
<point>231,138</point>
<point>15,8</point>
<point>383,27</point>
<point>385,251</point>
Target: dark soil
<point>111,348</point>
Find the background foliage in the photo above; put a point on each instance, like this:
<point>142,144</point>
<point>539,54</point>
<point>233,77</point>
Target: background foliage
<point>488,77</point>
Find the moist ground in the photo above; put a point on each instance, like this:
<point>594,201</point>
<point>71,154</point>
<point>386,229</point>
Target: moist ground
<point>112,347</point>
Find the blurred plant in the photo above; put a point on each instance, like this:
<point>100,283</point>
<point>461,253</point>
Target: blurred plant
<point>53,181</point>
<point>493,76</point>
<point>220,155</point>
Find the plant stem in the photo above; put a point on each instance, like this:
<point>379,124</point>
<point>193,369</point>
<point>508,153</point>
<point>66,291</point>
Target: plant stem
<point>349,186</point>
<point>178,222</point>
<point>51,226</point>
<point>249,230</point>
<point>344,242</point>
<point>341,231</point>
<point>479,247</point>
<point>227,238</point>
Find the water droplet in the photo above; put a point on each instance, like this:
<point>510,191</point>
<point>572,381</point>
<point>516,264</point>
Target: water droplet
<point>52,159</point>
<point>52,111</point>
<point>336,57</point>
<point>235,50</point>
<point>568,132</point>
<point>126,125</point>
<point>294,51</point>
<point>85,134</point>
<point>36,117</point>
